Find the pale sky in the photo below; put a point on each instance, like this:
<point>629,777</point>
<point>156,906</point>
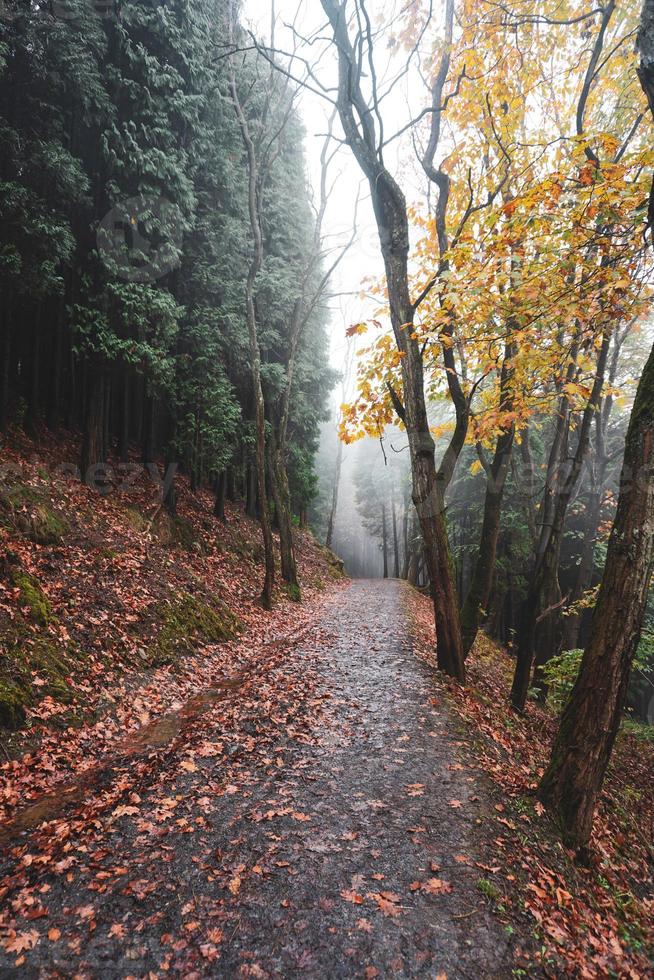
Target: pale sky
<point>363,259</point>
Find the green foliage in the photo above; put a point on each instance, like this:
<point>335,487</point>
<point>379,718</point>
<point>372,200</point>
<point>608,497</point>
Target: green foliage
<point>125,238</point>
<point>560,673</point>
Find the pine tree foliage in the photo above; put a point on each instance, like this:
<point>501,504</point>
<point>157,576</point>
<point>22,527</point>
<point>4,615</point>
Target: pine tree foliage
<point>124,241</point>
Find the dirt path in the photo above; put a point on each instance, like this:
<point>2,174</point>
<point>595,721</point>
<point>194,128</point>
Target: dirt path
<point>317,822</point>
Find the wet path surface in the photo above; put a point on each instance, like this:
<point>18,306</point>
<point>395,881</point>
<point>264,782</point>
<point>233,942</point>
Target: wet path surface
<point>318,822</point>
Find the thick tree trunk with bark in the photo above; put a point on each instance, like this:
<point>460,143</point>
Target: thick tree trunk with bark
<point>591,718</point>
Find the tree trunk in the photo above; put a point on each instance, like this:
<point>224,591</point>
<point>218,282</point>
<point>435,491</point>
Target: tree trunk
<point>93,428</point>
<point>54,411</point>
<point>476,603</point>
<point>35,374</point>
<point>591,718</point>
<point>221,492</point>
<point>251,491</point>
<point>123,422</point>
<point>255,352</point>
<point>584,577</point>
<point>396,544</point>
<point>231,485</point>
<point>335,488</point>
<point>5,325</point>
<point>384,542</point>
<point>282,497</point>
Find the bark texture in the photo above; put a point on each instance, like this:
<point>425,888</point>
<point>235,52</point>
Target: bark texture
<point>591,718</point>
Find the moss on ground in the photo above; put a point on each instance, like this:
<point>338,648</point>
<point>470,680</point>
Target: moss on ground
<point>33,663</point>
<point>28,510</point>
<point>33,597</point>
<point>293,592</point>
<point>187,621</point>
<point>33,666</point>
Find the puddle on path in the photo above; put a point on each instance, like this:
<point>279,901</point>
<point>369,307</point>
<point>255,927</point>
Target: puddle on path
<point>155,735</point>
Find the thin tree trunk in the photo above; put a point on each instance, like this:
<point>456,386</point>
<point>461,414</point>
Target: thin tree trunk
<point>5,366</point>
<point>384,542</point>
<point>255,352</point>
<point>251,508</point>
<point>335,489</point>
<point>476,603</point>
<point>584,577</point>
<point>396,546</point>
<point>221,492</point>
<point>92,441</point>
<point>54,413</point>
<point>405,541</point>
<point>124,428</point>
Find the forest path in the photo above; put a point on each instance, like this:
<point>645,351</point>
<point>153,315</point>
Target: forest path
<point>316,822</point>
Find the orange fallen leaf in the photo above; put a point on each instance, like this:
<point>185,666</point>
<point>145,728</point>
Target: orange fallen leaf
<point>22,941</point>
<point>386,905</point>
<point>436,886</point>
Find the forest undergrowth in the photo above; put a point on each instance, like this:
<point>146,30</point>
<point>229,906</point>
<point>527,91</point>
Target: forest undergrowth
<point>591,920</point>
<point>113,614</point>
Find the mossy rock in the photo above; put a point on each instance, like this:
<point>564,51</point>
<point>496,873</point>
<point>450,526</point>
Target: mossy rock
<point>187,621</point>
<point>32,596</point>
<point>27,510</point>
<point>335,565</point>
